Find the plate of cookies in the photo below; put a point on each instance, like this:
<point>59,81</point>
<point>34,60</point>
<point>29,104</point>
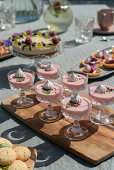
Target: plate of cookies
<point>98,64</point>
<point>4,49</point>
<point>16,157</point>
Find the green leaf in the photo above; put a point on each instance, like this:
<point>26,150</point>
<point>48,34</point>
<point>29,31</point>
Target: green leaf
<point>46,91</point>
<point>57,12</point>
<point>20,79</point>
<point>41,67</point>
<point>5,167</point>
<point>2,145</point>
<point>109,90</point>
<point>71,104</point>
<point>23,47</point>
<point>30,47</point>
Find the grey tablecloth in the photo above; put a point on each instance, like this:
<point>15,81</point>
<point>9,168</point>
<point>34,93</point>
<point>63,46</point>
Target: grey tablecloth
<point>50,156</point>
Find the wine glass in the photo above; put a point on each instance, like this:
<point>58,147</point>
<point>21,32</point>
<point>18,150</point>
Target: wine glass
<point>21,84</point>
<point>48,96</point>
<point>101,95</point>
<point>76,112</point>
<point>47,70</point>
<point>74,81</point>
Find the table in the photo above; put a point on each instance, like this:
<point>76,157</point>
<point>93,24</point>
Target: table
<point>50,156</point>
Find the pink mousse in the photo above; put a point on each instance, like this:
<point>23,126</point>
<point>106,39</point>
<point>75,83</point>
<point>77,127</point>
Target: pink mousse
<point>78,112</point>
<point>28,81</point>
<point>104,98</point>
<point>76,85</point>
<point>53,96</point>
<point>53,74</point>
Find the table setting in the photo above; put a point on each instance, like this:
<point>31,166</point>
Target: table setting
<point>57,84</point>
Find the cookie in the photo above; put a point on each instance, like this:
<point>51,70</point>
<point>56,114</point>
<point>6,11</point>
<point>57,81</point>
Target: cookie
<point>18,165</point>
<point>5,141</point>
<point>7,156</point>
<point>22,153</point>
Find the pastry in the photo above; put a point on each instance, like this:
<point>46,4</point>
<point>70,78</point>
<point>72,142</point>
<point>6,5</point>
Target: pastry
<point>4,49</point>
<point>34,44</point>
<point>5,141</point>
<point>7,156</point>
<point>92,71</point>
<point>92,61</point>
<point>109,62</point>
<point>100,55</point>
<point>22,153</point>
<point>18,165</point>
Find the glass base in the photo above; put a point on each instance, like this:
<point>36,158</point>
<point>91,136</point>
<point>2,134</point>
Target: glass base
<point>80,134</point>
<point>100,120</point>
<point>22,103</point>
<point>52,116</point>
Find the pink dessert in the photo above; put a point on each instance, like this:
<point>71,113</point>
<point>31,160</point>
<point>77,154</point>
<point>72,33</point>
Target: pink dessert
<point>51,72</point>
<point>102,93</point>
<point>76,84</point>
<point>51,94</point>
<point>21,83</point>
<point>75,111</point>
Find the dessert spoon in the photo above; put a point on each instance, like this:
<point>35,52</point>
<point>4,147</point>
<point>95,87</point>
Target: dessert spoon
<point>106,39</point>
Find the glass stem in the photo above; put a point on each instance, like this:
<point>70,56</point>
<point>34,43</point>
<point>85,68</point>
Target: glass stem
<point>75,127</point>
<point>22,96</point>
<point>102,112</point>
<point>74,92</point>
<point>49,112</point>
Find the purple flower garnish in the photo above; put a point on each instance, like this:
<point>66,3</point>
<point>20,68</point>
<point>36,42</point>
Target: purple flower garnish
<point>57,5</point>
<point>15,35</point>
<point>104,51</point>
<point>28,41</point>
<point>93,59</point>
<point>55,40</point>
<point>29,32</point>
<point>52,33</point>
<point>7,43</point>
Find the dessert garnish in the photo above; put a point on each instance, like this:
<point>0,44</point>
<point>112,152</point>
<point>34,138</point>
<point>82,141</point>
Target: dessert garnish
<point>91,61</point>
<point>87,68</point>
<point>108,89</point>
<point>73,77</point>
<point>88,60</point>
<point>100,89</point>
<point>55,40</point>
<point>74,101</point>
<point>19,75</point>
<point>102,54</point>
<point>2,145</point>
<point>52,33</point>
<point>47,87</point>
<point>5,167</point>
<point>109,60</point>
<point>15,35</point>
<point>91,69</point>
<point>49,67</point>
<point>28,42</point>
<point>29,32</point>
<point>7,43</point>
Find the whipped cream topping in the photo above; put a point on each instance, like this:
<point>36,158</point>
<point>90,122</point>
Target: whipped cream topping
<point>49,67</point>
<point>19,73</point>
<point>76,99</point>
<point>99,54</point>
<point>100,89</point>
<point>88,60</point>
<point>87,68</point>
<point>48,85</point>
<point>108,59</point>
<point>73,77</point>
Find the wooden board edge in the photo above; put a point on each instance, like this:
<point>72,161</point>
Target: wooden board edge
<point>76,153</point>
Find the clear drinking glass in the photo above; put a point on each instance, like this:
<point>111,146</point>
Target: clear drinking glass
<point>101,117</point>
<point>83,29</point>
<point>50,115</point>
<point>76,113</point>
<point>21,85</point>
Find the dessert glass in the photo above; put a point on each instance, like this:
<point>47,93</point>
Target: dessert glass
<point>77,85</point>
<point>50,115</point>
<point>101,117</point>
<point>76,113</point>
<point>22,101</point>
<point>49,74</point>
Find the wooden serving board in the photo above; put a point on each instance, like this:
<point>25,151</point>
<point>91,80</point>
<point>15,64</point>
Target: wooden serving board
<point>98,147</point>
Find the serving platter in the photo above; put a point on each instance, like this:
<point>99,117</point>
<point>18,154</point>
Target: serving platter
<point>97,147</point>
<point>105,71</point>
<point>6,56</point>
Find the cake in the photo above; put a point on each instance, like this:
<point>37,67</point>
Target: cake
<point>102,93</point>
<point>48,71</point>
<point>21,79</point>
<point>92,61</point>
<point>48,91</point>
<point>34,44</point>
<point>91,70</point>
<point>75,107</point>
<point>74,81</point>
